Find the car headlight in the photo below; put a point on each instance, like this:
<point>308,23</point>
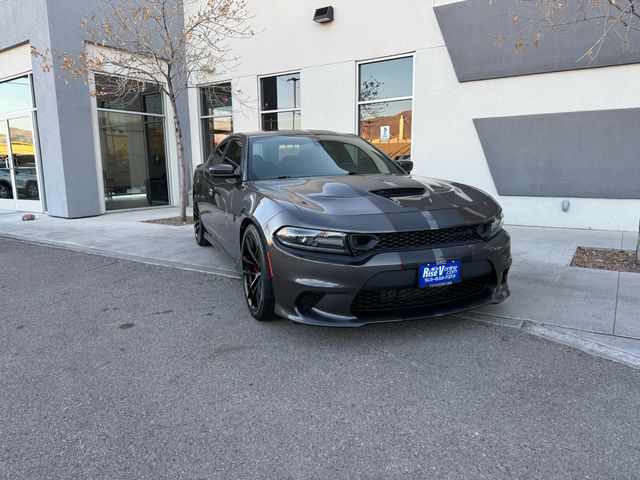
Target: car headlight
<point>309,239</point>
<point>496,225</point>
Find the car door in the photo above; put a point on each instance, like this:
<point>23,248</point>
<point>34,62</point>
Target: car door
<point>234,195</point>
<point>220,190</point>
<point>205,191</point>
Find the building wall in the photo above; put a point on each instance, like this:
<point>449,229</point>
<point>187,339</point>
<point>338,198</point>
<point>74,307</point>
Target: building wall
<point>34,29</point>
<point>66,117</point>
<point>453,95</point>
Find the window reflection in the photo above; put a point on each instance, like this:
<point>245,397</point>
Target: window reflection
<point>386,79</point>
<point>24,158</point>
<point>388,126</point>
<point>15,95</point>
<point>216,100</point>
<point>216,105</point>
<point>280,102</point>
<point>6,186</point>
<point>281,92</point>
<point>281,121</point>
<point>134,168</point>
<point>128,95</point>
<point>385,105</point>
<point>215,130</point>
<point>133,160</point>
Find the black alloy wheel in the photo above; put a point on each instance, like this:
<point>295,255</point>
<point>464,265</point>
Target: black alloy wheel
<point>256,275</point>
<point>198,228</point>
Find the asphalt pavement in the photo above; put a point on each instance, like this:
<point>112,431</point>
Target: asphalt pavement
<point>120,370</point>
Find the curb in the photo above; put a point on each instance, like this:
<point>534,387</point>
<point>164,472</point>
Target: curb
<point>123,256</point>
<point>575,341</point>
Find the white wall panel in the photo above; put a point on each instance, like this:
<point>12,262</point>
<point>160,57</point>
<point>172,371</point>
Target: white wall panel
<point>246,115</point>
<point>15,61</point>
<point>329,97</point>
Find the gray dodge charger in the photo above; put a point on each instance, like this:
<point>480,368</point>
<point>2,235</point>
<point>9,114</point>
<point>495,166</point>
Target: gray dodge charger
<point>326,230</point>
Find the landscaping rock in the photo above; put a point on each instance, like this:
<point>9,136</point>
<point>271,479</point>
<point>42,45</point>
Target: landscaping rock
<point>28,217</point>
<point>605,259</point>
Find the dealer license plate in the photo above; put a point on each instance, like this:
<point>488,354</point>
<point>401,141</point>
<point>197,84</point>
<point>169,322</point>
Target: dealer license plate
<point>439,274</point>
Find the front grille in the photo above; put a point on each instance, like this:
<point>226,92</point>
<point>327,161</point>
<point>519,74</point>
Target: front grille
<point>413,297</point>
<point>427,238</point>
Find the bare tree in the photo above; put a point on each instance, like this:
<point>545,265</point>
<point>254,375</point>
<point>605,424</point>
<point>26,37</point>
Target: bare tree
<point>618,19</point>
<point>369,90</point>
<point>175,44</point>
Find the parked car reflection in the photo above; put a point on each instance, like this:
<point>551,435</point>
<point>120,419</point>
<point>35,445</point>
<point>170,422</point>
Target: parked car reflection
<point>26,183</point>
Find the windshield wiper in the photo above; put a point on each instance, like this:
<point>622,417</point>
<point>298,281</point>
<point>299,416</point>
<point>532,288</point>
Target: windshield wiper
<point>283,177</point>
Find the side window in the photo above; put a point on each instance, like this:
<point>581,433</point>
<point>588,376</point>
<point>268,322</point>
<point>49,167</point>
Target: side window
<point>234,152</point>
<point>216,157</point>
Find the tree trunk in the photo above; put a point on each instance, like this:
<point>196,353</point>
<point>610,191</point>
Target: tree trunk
<point>182,167</point>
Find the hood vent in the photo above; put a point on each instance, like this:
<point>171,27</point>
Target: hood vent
<point>399,192</point>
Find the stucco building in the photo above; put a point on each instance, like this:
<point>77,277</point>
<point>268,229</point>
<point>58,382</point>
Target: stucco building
<point>552,134</point>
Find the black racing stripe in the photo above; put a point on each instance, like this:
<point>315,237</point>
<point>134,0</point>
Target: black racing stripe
<point>451,217</point>
<point>407,222</point>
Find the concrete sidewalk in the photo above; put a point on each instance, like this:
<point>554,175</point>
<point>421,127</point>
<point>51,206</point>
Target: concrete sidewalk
<point>576,304</point>
<point>123,235</point>
<point>601,308</point>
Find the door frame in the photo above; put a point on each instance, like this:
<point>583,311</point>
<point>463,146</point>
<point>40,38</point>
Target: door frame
<point>170,148</point>
<point>16,203</point>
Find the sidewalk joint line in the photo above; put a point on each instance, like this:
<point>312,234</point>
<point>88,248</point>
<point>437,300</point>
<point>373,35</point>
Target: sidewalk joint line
<point>615,308</point>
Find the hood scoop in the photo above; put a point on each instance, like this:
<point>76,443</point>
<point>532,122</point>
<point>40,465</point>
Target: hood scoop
<point>399,192</point>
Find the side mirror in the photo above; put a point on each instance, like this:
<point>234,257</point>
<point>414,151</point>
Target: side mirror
<point>406,165</point>
<point>222,170</point>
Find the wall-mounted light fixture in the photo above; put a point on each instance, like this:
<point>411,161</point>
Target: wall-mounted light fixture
<point>323,15</point>
<point>565,205</point>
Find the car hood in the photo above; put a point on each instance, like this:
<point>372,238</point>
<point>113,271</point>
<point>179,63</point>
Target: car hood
<point>372,194</point>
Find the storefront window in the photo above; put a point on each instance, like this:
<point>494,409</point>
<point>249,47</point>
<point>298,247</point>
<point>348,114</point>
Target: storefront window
<point>128,95</point>
<point>20,182</point>
<point>216,115</point>
<point>132,138</point>
<point>15,95</point>
<point>385,110</point>
<point>280,102</point>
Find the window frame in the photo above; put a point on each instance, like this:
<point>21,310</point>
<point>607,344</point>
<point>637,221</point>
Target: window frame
<point>359,102</point>
<point>225,158</point>
<point>222,146</point>
<point>99,152</point>
<point>202,116</point>
<point>225,144</point>
<point>278,110</point>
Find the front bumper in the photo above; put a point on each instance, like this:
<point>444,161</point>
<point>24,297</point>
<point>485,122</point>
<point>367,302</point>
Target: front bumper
<point>322,292</point>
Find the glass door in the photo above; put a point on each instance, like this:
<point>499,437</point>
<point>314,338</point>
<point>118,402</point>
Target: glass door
<point>7,197</point>
<point>20,187</point>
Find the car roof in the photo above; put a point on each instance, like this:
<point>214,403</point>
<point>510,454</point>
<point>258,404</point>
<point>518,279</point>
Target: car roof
<point>289,133</point>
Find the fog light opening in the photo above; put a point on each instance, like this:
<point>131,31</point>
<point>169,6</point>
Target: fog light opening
<point>307,300</point>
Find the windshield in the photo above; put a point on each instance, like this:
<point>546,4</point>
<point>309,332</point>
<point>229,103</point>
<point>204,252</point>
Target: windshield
<point>315,156</point>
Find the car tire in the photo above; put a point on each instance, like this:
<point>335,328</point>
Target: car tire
<point>198,228</point>
<point>32,190</point>
<point>256,275</point>
<point>5,191</point>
